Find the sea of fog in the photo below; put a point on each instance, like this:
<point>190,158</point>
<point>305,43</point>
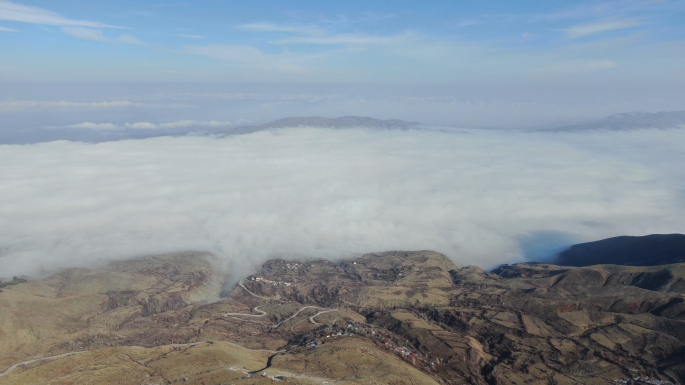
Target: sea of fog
<point>481,197</point>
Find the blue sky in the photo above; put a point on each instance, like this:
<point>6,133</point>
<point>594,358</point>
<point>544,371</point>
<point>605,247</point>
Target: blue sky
<point>468,64</point>
<point>391,42</point>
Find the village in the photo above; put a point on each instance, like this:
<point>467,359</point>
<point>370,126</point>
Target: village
<point>381,338</point>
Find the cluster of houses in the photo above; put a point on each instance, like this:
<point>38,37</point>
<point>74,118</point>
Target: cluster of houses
<point>643,380</point>
<point>319,341</point>
<point>382,339</point>
<point>405,352</point>
<point>402,351</point>
<point>270,282</point>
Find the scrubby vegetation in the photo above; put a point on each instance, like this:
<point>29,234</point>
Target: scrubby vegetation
<point>14,281</point>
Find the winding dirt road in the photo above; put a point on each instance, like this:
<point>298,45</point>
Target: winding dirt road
<point>191,344</point>
<point>11,368</point>
<point>256,308</point>
<point>276,298</point>
<point>311,319</point>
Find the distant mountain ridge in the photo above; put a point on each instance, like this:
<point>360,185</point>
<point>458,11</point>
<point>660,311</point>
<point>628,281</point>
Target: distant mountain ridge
<point>335,123</point>
<point>96,136</point>
<point>649,250</point>
<point>631,121</point>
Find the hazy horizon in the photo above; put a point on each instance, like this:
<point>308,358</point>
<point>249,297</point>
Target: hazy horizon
<point>492,65</point>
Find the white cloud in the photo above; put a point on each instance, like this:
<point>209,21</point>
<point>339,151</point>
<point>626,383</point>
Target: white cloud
<point>150,126</point>
<point>5,29</point>
<point>271,27</point>
<point>94,126</point>
<point>194,123</point>
<point>317,36</point>
<point>189,36</point>
<point>332,193</point>
<point>178,124</point>
<point>584,30</point>
<point>141,126</point>
<point>86,34</point>
<point>77,28</point>
<point>128,39</point>
<point>34,15</point>
<point>98,35</point>
<point>350,39</point>
<point>22,104</point>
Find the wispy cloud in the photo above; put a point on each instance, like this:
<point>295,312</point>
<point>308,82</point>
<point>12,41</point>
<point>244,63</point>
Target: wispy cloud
<point>271,27</point>
<point>148,125</point>
<point>94,126</point>
<point>128,39</point>
<point>5,29</point>
<point>314,35</point>
<point>178,124</point>
<point>86,34</point>
<point>34,15</point>
<point>189,36</point>
<point>98,35</point>
<point>349,39</point>
<point>584,30</point>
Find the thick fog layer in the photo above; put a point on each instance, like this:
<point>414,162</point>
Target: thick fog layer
<point>481,197</point>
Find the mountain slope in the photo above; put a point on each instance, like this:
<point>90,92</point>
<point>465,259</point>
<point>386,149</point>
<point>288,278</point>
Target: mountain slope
<point>649,250</point>
<point>336,123</point>
<point>632,121</point>
<point>402,317</point>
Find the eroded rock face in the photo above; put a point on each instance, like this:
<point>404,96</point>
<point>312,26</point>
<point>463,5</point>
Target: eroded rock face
<point>395,317</point>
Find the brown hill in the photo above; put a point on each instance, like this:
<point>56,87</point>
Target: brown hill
<point>394,318</point>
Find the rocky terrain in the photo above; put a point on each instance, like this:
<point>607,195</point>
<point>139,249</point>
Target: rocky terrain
<point>404,317</point>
